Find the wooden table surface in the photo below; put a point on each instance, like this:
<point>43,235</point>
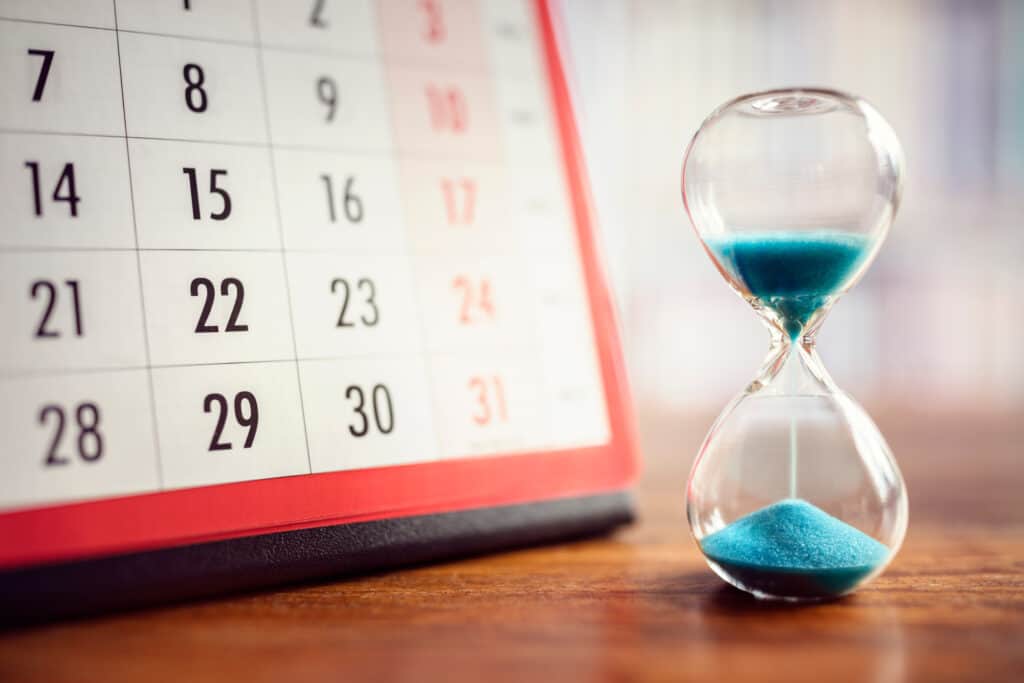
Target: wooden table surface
<point>639,605</point>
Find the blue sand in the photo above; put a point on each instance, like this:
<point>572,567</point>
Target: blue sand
<point>792,273</point>
<point>795,549</point>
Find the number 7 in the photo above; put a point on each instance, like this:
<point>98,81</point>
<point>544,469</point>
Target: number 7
<point>44,72</point>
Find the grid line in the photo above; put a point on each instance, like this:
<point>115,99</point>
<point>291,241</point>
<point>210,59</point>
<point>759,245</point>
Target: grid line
<point>280,231</point>
<point>138,265</point>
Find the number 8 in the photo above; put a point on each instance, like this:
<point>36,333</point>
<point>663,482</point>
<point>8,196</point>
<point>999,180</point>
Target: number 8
<point>194,79</point>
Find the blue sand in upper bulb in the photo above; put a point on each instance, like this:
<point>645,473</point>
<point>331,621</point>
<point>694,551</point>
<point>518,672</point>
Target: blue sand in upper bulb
<point>796,549</point>
<point>792,273</point>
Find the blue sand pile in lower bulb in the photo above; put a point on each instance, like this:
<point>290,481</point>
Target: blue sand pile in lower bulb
<point>792,273</point>
<point>794,549</point>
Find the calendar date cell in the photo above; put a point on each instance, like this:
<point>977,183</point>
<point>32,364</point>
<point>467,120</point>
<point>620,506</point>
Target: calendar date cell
<point>76,436</point>
<point>64,191</point>
<point>191,89</point>
<point>224,423</point>
<point>59,79</point>
<point>367,412</point>
<point>487,403</point>
<point>326,102</point>
<point>98,13</point>
<point>444,114</point>
<point>68,311</point>
<point>352,303</point>
<point>452,205</point>
<point>526,127</point>
<point>210,307</point>
<point>511,39</point>
<point>346,27</point>
<point>221,19</point>
<point>339,201</point>
<point>444,33</point>
<point>474,301</point>
<point>203,196</point>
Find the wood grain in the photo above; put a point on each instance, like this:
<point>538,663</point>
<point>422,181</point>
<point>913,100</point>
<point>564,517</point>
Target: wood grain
<point>640,605</point>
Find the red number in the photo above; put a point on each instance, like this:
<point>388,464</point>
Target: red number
<point>436,31</point>
<point>476,299</point>
<point>459,200</point>
<point>448,110</point>
<point>487,389</point>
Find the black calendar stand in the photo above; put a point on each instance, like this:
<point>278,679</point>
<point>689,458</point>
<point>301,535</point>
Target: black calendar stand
<point>237,565</point>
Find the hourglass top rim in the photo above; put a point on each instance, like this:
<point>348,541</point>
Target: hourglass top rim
<point>791,101</point>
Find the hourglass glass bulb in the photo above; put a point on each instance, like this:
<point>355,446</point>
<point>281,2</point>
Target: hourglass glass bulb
<point>794,493</point>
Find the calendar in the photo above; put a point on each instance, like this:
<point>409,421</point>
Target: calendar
<point>268,266</point>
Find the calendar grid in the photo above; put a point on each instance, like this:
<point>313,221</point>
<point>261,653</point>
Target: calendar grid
<point>138,265</point>
<point>443,366</point>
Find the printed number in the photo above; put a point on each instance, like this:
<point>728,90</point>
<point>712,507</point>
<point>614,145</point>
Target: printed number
<point>195,96</point>
<point>380,405</point>
<point>247,414</point>
<point>476,299</point>
<point>435,29</point>
<point>64,191</point>
<point>44,72</point>
<point>226,285</point>
<point>90,441</point>
<point>490,400</point>
<point>459,200</point>
<point>448,109</point>
<point>363,283</point>
<point>48,289</point>
<point>327,91</point>
<point>351,204</point>
<point>193,186</point>
<point>316,18</point>
<point>188,5</point>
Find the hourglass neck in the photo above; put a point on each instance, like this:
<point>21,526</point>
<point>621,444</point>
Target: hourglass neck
<point>792,367</point>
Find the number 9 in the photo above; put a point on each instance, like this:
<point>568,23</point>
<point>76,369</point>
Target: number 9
<point>327,91</point>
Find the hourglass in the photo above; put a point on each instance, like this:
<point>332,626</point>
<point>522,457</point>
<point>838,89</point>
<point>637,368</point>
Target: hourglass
<point>794,494</point>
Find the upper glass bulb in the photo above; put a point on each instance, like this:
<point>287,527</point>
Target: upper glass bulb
<point>808,179</point>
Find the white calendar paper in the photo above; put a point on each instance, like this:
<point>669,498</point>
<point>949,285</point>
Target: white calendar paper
<point>252,239</point>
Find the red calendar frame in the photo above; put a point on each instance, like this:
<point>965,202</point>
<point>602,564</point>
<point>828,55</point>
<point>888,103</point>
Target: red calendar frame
<point>174,518</point>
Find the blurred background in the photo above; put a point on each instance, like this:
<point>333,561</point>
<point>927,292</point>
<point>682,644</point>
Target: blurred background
<point>935,326</point>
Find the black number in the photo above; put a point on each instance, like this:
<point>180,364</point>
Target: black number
<point>247,414</point>
<point>327,91</point>
<point>379,393</point>
<point>351,204</point>
<point>363,283</point>
<point>204,315</point>
<point>50,290</point>
<point>222,418</point>
<point>65,183</point>
<point>90,441</point>
<point>193,187</point>
<point>194,79</point>
<point>226,285</point>
<point>88,432</point>
<point>358,410</point>
<point>188,5</point>
<point>252,420</point>
<point>44,72</point>
<point>316,18</point>
<point>52,458</point>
